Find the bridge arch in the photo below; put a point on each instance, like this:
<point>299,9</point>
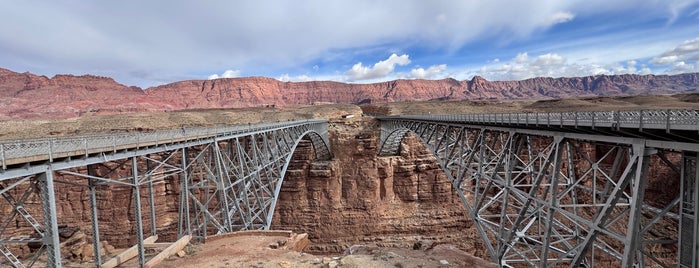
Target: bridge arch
<point>321,151</point>
<point>391,144</point>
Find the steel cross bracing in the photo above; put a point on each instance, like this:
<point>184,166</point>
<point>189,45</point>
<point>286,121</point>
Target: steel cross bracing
<point>229,179</point>
<point>547,198</point>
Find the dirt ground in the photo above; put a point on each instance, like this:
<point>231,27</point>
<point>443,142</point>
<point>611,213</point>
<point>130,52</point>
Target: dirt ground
<point>47,128</point>
<point>680,101</point>
<point>255,251</point>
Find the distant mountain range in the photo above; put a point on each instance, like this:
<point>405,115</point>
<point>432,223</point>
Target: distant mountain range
<point>25,95</point>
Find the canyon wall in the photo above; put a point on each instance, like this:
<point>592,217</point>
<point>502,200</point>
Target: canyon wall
<point>25,95</point>
<point>359,198</point>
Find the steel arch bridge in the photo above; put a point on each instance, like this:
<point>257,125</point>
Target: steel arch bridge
<point>229,179</point>
<point>569,189</point>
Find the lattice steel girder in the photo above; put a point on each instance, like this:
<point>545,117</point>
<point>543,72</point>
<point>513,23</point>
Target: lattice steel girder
<point>229,181</point>
<point>547,198</point>
<point>233,184</point>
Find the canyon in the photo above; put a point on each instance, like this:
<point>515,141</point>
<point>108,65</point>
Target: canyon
<point>26,95</point>
<point>357,198</point>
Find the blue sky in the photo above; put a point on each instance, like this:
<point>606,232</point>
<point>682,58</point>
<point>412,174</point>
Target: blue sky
<point>147,43</point>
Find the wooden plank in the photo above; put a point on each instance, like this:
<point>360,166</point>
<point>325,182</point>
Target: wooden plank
<point>172,249</point>
<point>157,245</point>
<point>127,254</point>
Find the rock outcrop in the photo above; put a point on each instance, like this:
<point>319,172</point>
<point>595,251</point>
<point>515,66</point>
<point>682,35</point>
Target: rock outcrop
<point>360,198</point>
<point>24,95</point>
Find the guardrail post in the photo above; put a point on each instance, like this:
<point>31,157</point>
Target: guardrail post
<point>640,120</point>
<point>51,151</point>
<point>594,114</point>
<point>526,119</point>
<point>85,145</point>
<point>667,121</point>
<point>2,154</point>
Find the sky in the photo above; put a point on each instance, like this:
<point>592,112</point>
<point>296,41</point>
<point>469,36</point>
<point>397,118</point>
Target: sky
<point>150,43</point>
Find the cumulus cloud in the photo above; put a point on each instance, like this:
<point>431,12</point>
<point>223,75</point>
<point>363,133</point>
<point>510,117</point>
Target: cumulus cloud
<point>380,70</point>
<point>523,66</point>
<point>549,60</point>
<point>434,71</point>
<point>226,74</point>
<point>688,51</point>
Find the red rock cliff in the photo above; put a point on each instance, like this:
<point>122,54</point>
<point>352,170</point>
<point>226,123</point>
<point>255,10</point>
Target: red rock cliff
<point>26,95</point>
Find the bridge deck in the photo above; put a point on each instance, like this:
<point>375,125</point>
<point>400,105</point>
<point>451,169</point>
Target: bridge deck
<point>666,125</point>
<point>25,151</point>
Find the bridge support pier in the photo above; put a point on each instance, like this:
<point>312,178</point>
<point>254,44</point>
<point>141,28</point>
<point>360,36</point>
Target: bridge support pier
<point>48,203</point>
<point>92,191</point>
<point>138,215</point>
<point>689,212</point>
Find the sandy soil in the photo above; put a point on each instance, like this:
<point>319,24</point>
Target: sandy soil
<point>254,251</point>
<point>47,128</point>
<point>680,101</point>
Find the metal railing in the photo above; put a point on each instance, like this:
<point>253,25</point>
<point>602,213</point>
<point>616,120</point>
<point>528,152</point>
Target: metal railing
<point>51,148</point>
<point>643,119</point>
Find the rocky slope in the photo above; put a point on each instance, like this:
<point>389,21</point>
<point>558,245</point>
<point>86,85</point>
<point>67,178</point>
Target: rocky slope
<point>24,95</point>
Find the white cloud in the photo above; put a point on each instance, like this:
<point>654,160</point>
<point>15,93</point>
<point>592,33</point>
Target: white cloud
<point>522,66</point>
<point>434,71</point>
<point>522,58</point>
<point>682,67</point>
<point>380,70</point>
<point>560,17</point>
<point>299,78</point>
<point>253,35</point>
<point>549,59</point>
<point>682,58</point>
<point>226,74</point>
<point>687,51</point>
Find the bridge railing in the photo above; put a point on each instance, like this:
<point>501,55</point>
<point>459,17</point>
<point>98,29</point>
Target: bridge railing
<point>50,148</point>
<point>642,119</point>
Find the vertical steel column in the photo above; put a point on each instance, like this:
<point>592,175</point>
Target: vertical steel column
<point>151,199</point>
<point>93,213</point>
<point>638,188</point>
<point>689,210</point>
<point>553,203</point>
<point>184,199</point>
<point>139,223</point>
<point>48,204</point>
<point>222,187</point>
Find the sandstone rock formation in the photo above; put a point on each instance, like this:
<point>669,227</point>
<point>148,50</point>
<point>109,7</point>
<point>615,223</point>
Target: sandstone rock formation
<point>360,198</point>
<point>24,95</point>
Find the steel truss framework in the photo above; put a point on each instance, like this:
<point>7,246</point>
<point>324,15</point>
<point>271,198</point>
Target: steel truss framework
<point>229,181</point>
<point>540,198</point>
